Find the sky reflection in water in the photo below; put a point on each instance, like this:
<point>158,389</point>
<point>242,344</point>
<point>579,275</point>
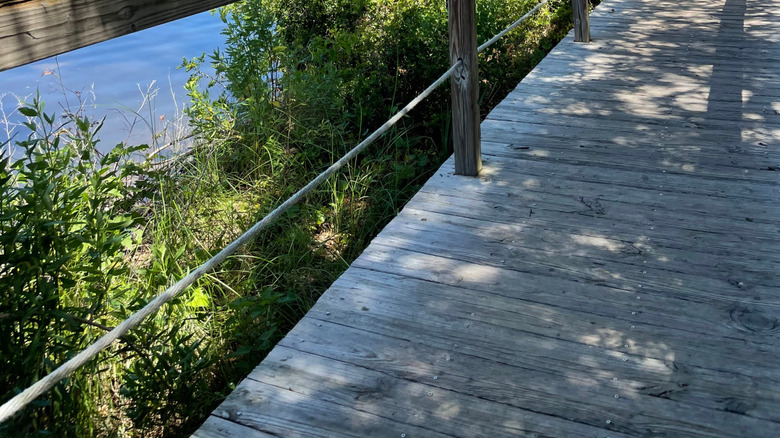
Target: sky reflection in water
<point>117,73</point>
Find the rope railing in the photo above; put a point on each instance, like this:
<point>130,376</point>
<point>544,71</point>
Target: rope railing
<point>511,27</point>
<point>21,400</point>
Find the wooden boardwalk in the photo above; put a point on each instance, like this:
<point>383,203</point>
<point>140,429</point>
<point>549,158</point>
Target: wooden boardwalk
<point>612,273</point>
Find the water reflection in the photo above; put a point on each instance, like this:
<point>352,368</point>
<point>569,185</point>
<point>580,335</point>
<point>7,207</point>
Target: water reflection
<point>114,79</point>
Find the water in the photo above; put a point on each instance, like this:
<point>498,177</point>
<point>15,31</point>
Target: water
<point>113,78</point>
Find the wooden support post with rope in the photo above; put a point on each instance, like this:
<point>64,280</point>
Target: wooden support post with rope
<point>465,87</point>
<point>581,21</point>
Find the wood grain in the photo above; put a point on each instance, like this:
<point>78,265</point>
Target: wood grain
<point>613,271</point>
<point>36,29</point>
<point>581,11</point>
<point>466,134</point>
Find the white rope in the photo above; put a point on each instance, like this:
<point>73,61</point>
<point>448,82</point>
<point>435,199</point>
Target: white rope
<point>512,27</point>
<point>40,387</point>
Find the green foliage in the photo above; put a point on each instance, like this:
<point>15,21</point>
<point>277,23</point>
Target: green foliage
<point>65,228</point>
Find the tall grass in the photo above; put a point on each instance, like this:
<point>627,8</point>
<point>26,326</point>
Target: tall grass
<point>298,83</point>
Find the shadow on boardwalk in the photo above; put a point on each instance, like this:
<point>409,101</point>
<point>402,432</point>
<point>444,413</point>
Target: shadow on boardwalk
<point>613,272</point>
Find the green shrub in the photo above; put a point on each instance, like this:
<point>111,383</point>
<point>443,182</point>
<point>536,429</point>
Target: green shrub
<point>65,229</point>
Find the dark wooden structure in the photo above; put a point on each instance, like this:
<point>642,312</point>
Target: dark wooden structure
<point>36,29</point>
<point>612,272</point>
<point>465,87</point>
<point>581,20</point>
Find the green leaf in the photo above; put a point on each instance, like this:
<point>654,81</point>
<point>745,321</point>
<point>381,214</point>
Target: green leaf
<point>240,352</point>
<point>29,112</point>
<point>57,264</point>
<point>198,298</point>
<point>119,223</point>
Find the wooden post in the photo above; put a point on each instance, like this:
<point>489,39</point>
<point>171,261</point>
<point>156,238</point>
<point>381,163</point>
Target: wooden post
<point>581,21</point>
<point>465,87</point>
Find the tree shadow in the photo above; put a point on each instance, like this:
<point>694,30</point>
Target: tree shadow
<point>612,272</point>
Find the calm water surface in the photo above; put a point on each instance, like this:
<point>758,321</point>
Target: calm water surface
<point>113,77</point>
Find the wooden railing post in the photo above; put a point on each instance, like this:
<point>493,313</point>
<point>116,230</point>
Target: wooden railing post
<point>581,21</point>
<point>465,87</point>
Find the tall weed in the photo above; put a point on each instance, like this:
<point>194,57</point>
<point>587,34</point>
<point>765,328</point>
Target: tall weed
<point>65,230</point>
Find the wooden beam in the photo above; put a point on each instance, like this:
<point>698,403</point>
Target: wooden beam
<point>36,29</point>
<point>581,21</point>
<point>465,87</point>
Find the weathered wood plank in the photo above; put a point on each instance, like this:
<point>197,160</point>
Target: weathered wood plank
<point>470,315</point>
<point>549,294</point>
<point>652,256</point>
<point>614,153</point>
<point>285,412</point>
<point>634,66</point>
<point>35,29</point>
<point>684,110</point>
<point>743,145</point>
<point>749,141</point>
<point>673,84</point>
<point>216,427</point>
<point>558,196</point>
<point>644,218</point>
<point>596,266</point>
<point>684,98</point>
<point>632,237</point>
<point>617,60</point>
<point>612,150</point>
<point>541,173</point>
<point>631,241</point>
<point>474,352</point>
<point>420,402</point>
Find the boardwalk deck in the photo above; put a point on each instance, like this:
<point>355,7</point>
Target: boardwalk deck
<point>613,272</point>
